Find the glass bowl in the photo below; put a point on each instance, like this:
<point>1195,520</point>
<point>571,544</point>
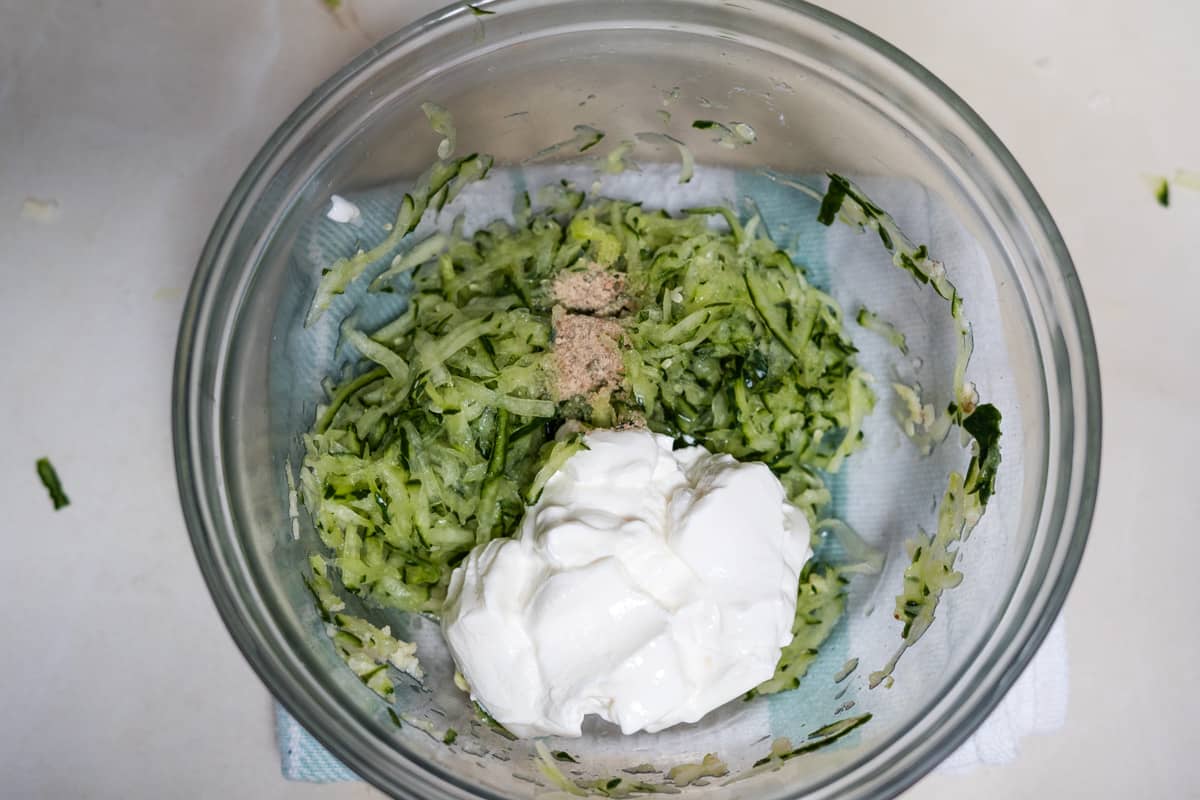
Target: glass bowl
<point>821,95</point>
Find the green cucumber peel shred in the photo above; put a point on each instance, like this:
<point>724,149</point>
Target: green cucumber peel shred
<point>931,571</point>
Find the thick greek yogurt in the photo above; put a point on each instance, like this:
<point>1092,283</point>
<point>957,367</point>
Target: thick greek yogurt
<point>343,211</point>
<point>646,585</point>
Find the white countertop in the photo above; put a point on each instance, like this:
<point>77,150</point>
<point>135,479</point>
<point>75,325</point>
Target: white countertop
<point>117,679</point>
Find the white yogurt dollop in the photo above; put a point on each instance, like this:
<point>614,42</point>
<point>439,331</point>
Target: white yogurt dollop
<point>343,211</point>
<point>647,586</point>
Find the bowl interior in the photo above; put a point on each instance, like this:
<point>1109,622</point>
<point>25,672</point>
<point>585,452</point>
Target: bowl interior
<point>820,96</point>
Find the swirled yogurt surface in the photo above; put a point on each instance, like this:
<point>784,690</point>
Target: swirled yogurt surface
<point>646,585</point>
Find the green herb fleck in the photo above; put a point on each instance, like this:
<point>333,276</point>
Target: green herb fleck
<point>480,12</point>
<point>45,471</point>
<point>1162,192</point>
<point>395,719</point>
<point>984,426</point>
<point>450,736</point>
<point>563,755</point>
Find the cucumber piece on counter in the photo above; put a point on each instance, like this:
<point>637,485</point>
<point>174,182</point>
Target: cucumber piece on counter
<point>49,478</point>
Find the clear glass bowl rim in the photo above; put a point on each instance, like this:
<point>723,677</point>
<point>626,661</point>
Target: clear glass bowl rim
<point>900,763</point>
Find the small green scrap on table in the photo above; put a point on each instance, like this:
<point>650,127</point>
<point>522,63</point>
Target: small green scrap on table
<point>1162,192</point>
<point>49,476</point>
<point>1161,184</point>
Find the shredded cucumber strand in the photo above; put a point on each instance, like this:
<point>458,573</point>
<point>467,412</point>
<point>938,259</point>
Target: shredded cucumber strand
<point>872,322</point>
<point>931,571</point>
<point>442,123</point>
<point>687,165</point>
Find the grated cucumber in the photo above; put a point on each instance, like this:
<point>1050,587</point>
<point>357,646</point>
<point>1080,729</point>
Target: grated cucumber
<point>821,603</point>
<point>872,322</point>
<point>440,446</point>
<point>368,650</point>
<point>49,478</point>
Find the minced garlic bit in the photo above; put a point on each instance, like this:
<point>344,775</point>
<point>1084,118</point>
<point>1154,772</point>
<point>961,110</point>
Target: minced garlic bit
<point>594,290</point>
<point>587,353</point>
